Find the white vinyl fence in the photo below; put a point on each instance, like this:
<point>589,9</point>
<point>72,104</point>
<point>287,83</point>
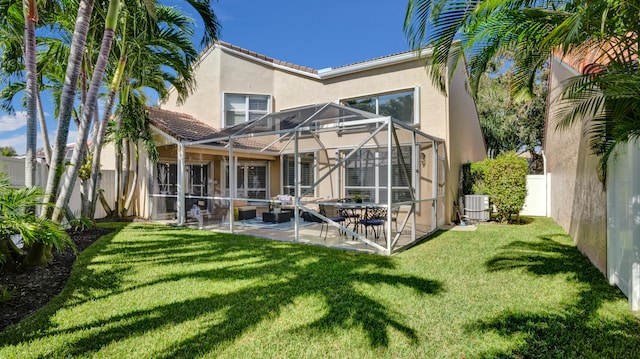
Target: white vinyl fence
<point>623,227</point>
<point>537,200</point>
<point>14,167</point>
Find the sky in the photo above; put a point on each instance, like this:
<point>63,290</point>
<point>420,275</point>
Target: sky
<point>313,33</point>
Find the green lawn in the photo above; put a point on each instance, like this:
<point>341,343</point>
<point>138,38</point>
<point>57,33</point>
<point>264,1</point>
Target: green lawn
<point>150,291</point>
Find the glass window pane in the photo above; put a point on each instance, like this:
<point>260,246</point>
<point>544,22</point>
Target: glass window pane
<point>258,103</point>
<point>398,106</point>
<point>256,115</point>
<point>235,102</point>
<point>366,104</point>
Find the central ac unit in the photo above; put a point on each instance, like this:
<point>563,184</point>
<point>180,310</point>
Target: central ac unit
<point>476,207</point>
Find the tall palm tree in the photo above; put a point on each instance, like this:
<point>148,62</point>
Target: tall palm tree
<point>153,51</point>
<point>67,98</point>
<point>533,30</point>
<point>87,112</point>
<point>211,27</point>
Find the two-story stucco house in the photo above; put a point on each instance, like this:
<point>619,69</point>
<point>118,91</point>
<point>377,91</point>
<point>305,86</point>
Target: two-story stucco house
<point>377,129</point>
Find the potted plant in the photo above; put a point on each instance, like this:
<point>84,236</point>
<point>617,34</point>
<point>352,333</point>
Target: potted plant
<point>275,206</point>
<point>357,197</point>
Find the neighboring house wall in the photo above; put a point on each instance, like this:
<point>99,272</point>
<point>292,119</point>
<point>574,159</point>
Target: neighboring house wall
<point>225,69</point>
<point>577,198</point>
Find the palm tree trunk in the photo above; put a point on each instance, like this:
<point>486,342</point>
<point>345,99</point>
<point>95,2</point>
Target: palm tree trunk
<point>31,18</point>
<point>105,204</point>
<point>45,133</point>
<point>99,137</point>
<point>129,198</point>
<point>66,103</point>
<point>39,255</point>
<point>87,114</point>
<point>116,206</point>
<point>126,166</point>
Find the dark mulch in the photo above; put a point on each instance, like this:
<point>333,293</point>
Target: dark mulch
<point>34,288</point>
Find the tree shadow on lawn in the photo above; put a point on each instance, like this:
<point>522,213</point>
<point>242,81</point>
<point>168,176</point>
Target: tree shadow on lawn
<point>576,330</point>
<point>272,276</point>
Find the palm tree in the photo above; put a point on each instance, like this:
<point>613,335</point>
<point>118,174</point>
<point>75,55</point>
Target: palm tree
<point>156,51</point>
<point>16,219</point>
<point>80,31</point>
<point>87,112</point>
<point>533,30</point>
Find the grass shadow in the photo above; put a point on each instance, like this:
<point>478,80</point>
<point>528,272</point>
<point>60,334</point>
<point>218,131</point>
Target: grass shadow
<point>277,273</point>
<point>577,330</point>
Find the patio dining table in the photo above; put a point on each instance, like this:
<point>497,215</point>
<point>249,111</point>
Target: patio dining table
<point>354,212</point>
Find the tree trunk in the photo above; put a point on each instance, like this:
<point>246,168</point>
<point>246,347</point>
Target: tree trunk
<point>66,103</point>
<point>85,195</point>
<point>31,18</point>
<point>132,188</point>
<point>116,206</point>
<point>99,138</point>
<point>105,204</point>
<point>126,165</point>
<point>45,133</point>
<point>38,255</point>
<point>92,98</point>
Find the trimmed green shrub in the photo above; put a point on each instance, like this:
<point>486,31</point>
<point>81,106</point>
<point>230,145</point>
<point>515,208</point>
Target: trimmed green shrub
<point>505,180</point>
<point>477,172</point>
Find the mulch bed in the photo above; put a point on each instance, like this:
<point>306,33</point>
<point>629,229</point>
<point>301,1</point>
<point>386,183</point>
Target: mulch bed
<point>34,288</point>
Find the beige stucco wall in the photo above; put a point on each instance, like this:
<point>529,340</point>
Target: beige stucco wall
<point>452,118</point>
<point>577,198</point>
<point>464,133</point>
<point>226,72</point>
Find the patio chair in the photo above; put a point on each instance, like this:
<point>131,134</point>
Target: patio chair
<point>374,217</point>
<point>350,214</point>
<point>394,216</point>
<point>333,216</point>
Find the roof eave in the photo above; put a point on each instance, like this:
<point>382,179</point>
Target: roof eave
<point>374,64</point>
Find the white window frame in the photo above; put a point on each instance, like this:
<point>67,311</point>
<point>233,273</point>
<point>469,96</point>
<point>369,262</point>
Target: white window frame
<point>377,187</point>
<point>247,96</point>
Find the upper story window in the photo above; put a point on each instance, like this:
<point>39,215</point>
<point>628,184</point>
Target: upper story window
<point>399,105</point>
<point>243,108</point>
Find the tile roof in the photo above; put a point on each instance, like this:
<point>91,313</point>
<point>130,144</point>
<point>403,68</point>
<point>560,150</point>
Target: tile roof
<point>593,56</point>
<point>295,66</point>
<point>268,59</point>
<point>185,127</point>
<point>180,125</point>
<point>374,59</point>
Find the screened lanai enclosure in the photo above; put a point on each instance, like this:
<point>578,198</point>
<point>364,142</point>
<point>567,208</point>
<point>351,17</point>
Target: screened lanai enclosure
<point>325,174</point>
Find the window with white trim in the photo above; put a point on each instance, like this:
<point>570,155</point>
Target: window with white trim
<point>366,174</point>
<point>399,105</point>
<point>242,108</point>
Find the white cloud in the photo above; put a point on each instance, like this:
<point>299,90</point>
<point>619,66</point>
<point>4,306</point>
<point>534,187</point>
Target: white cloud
<point>13,122</point>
